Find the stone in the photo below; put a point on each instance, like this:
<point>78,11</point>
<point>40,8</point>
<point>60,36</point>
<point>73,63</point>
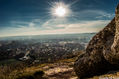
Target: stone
<point>102,52</point>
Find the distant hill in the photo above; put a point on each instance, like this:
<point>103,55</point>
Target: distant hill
<point>53,36</point>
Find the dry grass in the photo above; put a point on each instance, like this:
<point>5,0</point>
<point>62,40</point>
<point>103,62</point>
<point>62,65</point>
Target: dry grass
<point>8,73</point>
<point>6,70</point>
<point>21,70</point>
<point>112,75</point>
<point>61,69</point>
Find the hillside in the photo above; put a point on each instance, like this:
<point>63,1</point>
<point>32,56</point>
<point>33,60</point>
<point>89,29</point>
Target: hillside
<point>61,69</point>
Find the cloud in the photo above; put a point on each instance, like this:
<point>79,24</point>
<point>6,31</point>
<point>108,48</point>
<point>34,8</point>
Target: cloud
<point>60,25</point>
<point>88,24</point>
<point>93,14</point>
<point>79,27</point>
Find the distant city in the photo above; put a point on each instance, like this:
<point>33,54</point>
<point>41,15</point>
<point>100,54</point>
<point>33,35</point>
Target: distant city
<point>42,48</point>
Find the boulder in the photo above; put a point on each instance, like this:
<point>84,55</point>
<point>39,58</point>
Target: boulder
<point>102,52</point>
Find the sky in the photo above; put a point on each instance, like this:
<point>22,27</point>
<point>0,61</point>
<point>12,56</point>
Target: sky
<point>37,17</point>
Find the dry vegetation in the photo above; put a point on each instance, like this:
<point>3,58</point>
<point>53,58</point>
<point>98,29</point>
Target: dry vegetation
<point>55,70</point>
<point>61,69</point>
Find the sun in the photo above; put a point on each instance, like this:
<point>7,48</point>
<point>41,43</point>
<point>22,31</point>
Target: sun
<point>60,11</point>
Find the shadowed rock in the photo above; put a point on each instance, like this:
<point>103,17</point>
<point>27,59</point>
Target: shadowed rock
<point>102,52</point>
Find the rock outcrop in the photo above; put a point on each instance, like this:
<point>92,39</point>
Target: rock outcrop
<point>102,52</point>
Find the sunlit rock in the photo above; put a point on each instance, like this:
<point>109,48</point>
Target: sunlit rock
<point>102,52</point>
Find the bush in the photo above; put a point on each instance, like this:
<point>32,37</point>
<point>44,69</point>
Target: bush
<point>39,73</point>
<point>26,77</point>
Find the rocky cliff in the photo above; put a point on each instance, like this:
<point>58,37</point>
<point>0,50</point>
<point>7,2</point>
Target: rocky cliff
<point>102,52</point>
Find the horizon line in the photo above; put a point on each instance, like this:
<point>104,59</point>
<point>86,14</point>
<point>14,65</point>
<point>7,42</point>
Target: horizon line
<point>43,34</point>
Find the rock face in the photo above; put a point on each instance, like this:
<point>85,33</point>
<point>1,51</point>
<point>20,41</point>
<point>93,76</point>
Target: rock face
<point>113,56</point>
<point>102,52</point>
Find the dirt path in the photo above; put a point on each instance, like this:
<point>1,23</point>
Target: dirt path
<point>64,70</point>
<point>60,71</point>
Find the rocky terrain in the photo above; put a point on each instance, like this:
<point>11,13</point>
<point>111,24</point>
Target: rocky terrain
<point>60,69</point>
<point>102,52</point>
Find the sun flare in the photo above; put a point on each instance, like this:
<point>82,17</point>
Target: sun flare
<point>60,9</point>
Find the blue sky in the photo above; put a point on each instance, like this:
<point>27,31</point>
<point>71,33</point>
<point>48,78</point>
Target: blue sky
<point>34,17</point>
